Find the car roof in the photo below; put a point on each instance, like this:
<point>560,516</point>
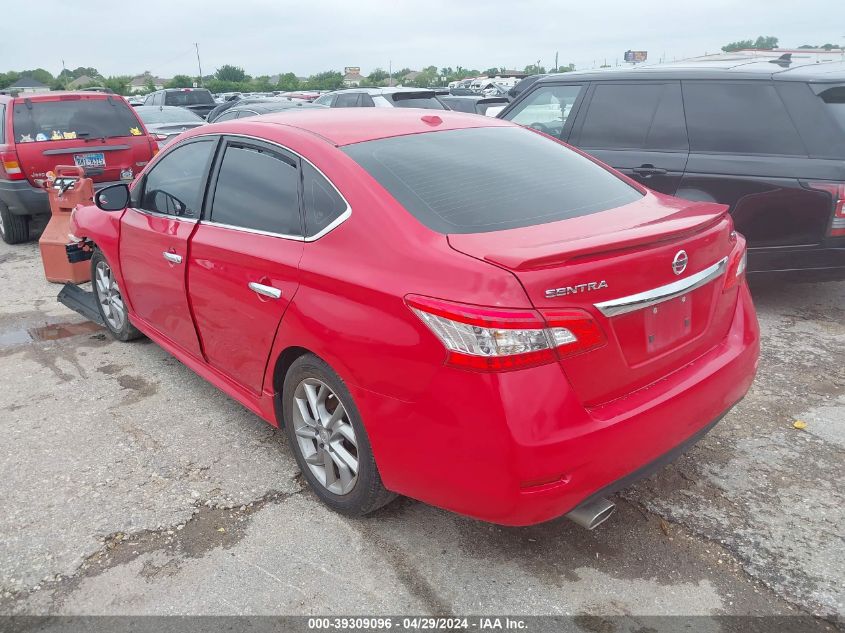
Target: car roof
<point>382,91</point>
<point>345,126</point>
<point>733,68</point>
<point>55,95</point>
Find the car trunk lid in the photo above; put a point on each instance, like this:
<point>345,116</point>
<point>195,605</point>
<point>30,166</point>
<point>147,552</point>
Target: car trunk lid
<point>621,266</point>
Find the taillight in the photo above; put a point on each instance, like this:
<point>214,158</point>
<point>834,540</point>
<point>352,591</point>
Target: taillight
<point>502,339</point>
<point>11,167</point>
<point>837,193</point>
<point>738,261</point>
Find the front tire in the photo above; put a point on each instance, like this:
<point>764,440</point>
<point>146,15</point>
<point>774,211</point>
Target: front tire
<point>328,439</point>
<point>14,229</point>
<point>110,302</point>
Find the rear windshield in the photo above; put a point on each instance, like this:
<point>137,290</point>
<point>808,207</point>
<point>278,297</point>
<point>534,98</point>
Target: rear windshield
<point>188,97</point>
<point>158,114</point>
<point>76,118</point>
<point>835,100</point>
<point>489,179</point>
<point>425,100</point>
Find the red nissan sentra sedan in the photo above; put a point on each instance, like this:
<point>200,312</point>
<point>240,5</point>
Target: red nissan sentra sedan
<point>448,307</point>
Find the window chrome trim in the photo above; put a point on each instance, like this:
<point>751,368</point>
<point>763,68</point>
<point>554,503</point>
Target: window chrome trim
<point>641,300</point>
<point>343,217</point>
<point>166,216</point>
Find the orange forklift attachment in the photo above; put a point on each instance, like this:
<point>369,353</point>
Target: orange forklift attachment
<point>66,189</point>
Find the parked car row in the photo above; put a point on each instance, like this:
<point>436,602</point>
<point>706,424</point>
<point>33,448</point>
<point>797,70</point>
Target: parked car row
<point>767,139</point>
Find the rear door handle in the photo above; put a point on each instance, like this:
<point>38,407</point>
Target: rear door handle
<point>267,291</point>
<point>649,170</point>
<point>173,258</point>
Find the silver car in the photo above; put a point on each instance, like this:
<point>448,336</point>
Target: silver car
<point>168,122</point>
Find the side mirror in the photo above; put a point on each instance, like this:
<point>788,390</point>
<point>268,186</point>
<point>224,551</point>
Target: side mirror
<point>112,198</point>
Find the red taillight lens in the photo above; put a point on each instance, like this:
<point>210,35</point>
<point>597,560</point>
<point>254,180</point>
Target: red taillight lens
<point>737,263</point>
<point>11,168</point>
<point>837,193</point>
<point>501,339</point>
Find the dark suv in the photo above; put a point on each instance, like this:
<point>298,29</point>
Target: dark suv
<point>765,137</point>
<point>197,100</point>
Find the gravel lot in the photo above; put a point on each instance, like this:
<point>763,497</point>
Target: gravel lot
<point>128,485</point>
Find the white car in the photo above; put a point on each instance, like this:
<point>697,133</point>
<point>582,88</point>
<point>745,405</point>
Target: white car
<point>382,98</point>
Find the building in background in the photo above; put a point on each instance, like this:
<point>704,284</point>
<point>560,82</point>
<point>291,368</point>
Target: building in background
<point>26,84</point>
<point>352,77</point>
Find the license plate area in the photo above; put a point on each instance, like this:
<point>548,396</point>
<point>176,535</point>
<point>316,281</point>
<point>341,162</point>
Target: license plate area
<point>667,323</point>
<point>94,159</point>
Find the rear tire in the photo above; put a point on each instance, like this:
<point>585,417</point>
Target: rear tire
<point>331,445</point>
<point>14,229</point>
<point>110,302</point>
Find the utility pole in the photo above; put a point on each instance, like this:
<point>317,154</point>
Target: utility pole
<point>199,64</point>
<point>556,66</point>
<point>390,73</point>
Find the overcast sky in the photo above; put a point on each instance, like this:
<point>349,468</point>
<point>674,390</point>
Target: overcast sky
<point>308,36</point>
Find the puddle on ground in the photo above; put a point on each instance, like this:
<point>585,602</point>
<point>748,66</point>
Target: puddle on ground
<point>48,332</point>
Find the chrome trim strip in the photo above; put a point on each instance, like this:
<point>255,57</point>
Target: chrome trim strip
<point>641,300</point>
<point>165,216</point>
<point>90,148</point>
<point>296,238</point>
<point>337,221</point>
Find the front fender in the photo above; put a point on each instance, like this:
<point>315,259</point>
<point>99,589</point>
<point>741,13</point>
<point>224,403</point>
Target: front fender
<point>103,228</point>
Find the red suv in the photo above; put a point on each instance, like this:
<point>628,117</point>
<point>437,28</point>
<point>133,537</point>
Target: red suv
<point>99,132</point>
<point>445,306</point>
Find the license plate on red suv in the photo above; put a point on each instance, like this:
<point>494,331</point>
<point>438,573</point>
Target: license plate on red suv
<point>97,159</point>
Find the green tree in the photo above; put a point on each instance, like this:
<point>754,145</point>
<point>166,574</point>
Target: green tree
<point>377,76</point>
<point>491,72</point>
<point>7,79</point>
<point>534,69</point>
<point>180,81</point>
<point>76,73</point>
<point>262,84</point>
<point>762,43</point>
<point>149,85</point>
<point>288,82</point>
<point>119,84</point>
<point>327,80</point>
<point>39,74</point>
<point>227,72</point>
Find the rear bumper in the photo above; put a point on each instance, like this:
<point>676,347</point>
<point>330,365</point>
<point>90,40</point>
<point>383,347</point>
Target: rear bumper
<point>797,259</point>
<point>24,199</point>
<point>519,448</point>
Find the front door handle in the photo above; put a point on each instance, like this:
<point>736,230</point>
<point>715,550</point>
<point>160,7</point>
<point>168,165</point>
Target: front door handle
<point>267,291</point>
<point>173,258</point>
<point>649,170</point>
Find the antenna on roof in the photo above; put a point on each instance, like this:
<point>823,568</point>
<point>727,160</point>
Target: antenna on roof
<point>784,60</point>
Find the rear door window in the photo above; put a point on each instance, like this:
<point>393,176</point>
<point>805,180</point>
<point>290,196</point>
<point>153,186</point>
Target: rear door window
<point>176,183</point>
<point>547,109</point>
<point>834,98</point>
<point>188,98</point>
<point>366,101</point>
<point>2,123</point>
<point>425,100</point>
<point>739,118</point>
<point>257,189</point>
<point>489,179</point>
<point>647,116</point>
<point>74,119</point>
<point>346,100</point>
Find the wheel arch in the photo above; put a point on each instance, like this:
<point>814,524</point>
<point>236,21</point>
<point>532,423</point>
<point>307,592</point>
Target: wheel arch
<point>282,365</point>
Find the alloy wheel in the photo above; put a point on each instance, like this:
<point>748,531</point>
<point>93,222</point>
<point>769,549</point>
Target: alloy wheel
<point>2,226</point>
<point>325,436</point>
<point>108,294</point>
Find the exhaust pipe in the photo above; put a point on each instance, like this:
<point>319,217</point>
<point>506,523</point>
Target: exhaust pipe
<point>592,513</point>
